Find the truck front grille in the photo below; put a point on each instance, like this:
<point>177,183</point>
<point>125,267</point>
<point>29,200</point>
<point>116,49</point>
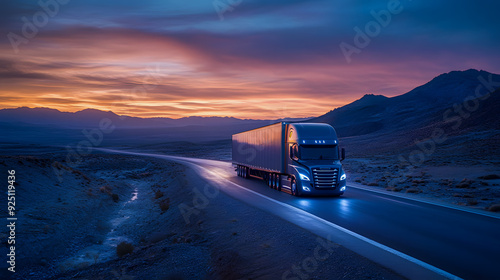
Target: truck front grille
<point>325,177</point>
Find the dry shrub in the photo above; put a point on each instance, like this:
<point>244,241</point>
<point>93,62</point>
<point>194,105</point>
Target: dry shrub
<point>158,194</point>
<point>106,189</point>
<point>394,189</point>
<point>165,204</point>
<point>494,208</point>
<point>464,184</point>
<point>124,248</point>
<point>472,202</point>
<point>413,190</point>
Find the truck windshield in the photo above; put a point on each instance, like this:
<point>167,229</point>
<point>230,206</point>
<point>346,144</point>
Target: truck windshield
<point>318,152</point>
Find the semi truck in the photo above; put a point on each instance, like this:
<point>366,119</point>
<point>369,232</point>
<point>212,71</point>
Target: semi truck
<point>299,158</point>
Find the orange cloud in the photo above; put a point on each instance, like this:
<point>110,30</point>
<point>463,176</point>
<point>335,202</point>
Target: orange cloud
<point>141,74</point>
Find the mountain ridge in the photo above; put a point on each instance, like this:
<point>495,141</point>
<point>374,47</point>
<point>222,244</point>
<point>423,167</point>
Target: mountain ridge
<point>414,109</point>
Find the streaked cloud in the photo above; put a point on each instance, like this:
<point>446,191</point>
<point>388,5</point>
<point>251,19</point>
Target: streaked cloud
<point>266,59</point>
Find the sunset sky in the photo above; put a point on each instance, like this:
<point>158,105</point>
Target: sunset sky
<point>258,59</point>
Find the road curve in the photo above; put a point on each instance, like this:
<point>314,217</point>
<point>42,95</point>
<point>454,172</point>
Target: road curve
<point>461,243</point>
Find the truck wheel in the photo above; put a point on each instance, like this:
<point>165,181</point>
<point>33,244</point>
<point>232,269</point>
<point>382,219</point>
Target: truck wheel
<point>239,170</point>
<point>270,180</point>
<point>293,187</point>
<point>278,182</point>
<point>247,172</point>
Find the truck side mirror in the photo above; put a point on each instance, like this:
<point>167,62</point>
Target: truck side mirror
<point>342,152</point>
<point>294,152</point>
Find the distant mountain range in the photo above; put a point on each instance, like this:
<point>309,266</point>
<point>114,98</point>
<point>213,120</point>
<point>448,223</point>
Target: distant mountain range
<point>399,120</point>
<point>50,126</point>
<point>89,118</point>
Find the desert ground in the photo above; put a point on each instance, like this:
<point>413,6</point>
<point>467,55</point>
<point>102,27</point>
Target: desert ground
<point>120,217</point>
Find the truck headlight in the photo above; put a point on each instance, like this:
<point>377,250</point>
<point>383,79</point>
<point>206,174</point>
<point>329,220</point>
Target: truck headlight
<point>343,176</point>
<point>303,177</point>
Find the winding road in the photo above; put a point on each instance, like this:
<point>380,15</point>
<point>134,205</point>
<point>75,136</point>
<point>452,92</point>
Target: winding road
<point>417,239</point>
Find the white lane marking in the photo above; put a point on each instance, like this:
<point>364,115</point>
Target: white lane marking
<point>356,235</point>
<point>473,211</point>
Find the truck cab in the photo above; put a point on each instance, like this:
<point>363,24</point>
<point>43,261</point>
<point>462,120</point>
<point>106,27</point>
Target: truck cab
<point>313,160</point>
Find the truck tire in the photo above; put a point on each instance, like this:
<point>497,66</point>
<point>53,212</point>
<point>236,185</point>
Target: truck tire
<point>278,182</point>
<point>270,180</point>
<point>294,188</point>
<point>247,172</point>
<point>273,181</point>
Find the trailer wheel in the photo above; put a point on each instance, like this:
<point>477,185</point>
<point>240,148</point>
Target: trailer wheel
<point>270,180</point>
<point>238,170</point>
<point>278,182</point>
<point>293,187</point>
<point>247,172</point>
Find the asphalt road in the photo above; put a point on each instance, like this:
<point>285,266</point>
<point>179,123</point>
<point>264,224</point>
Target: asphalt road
<point>464,244</point>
